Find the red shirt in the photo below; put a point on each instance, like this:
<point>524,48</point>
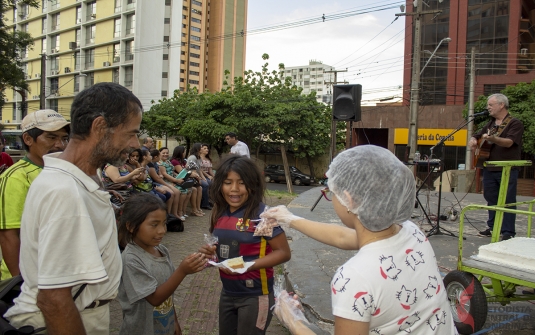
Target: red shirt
<point>5,159</point>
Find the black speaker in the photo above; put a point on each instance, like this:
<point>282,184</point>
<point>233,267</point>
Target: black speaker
<point>346,102</point>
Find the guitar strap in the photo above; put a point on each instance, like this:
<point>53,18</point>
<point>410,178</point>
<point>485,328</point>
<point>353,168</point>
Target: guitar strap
<point>504,124</point>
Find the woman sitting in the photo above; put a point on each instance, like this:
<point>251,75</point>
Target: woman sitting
<point>156,175</point>
<point>170,177</point>
<point>179,163</point>
<point>195,160</point>
<point>392,285</point>
<point>120,175</point>
<point>206,163</point>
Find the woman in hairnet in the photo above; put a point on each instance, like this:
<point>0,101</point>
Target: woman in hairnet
<point>392,285</point>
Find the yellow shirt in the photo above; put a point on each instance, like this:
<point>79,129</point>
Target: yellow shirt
<point>14,185</point>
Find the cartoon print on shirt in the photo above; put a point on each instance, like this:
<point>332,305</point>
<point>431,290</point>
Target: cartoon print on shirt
<point>339,282</point>
<point>364,301</point>
<point>407,322</point>
<point>433,287</point>
<point>420,237</point>
<point>376,331</point>
<point>388,268</point>
<point>438,318</point>
<point>414,258</point>
<point>406,297</point>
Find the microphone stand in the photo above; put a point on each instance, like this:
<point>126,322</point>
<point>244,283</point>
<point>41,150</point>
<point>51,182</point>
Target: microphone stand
<point>436,229</point>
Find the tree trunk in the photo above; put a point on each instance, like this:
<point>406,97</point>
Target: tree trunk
<point>286,169</point>
<point>311,167</point>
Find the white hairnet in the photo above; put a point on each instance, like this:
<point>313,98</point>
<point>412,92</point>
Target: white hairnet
<point>380,188</point>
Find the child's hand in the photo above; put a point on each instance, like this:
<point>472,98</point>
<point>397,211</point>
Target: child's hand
<point>192,263</point>
<point>208,250</point>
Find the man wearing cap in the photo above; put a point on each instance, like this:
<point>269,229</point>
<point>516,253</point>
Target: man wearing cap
<point>43,132</point>
<point>68,232</point>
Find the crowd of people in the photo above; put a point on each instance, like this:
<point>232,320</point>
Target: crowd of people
<point>59,230</point>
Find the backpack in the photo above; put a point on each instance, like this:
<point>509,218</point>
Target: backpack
<point>174,224</point>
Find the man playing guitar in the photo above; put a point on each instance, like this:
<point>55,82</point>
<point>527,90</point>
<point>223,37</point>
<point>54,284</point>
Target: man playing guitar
<point>504,135</point>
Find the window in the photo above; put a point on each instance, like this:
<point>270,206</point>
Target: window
<point>24,27</point>
<point>44,23</point>
<point>182,52</point>
<point>78,14</point>
<point>54,4</point>
<point>54,84</point>
<point>76,87</point>
<point>78,33</point>
<point>116,76</point>
<point>90,79</point>
<point>195,73</point>
<point>54,64</point>
<point>91,10</point>
<point>117,28</point>
<point>55,21</point>
<point>184,35</point>
<point>196,29</point>
<point>43,45</point>
<point>23,12</point>
<point>89,58</point>
<point>182,71</point>
<point>195,55</point>
<point>129,52</point>
<point>166,38</point>
<point>53,103</point>
<point>183,25</point>
<point>195,20</point>
<point>130,4</point>
<point>182,80</point>
<point>164,93</point>
<point>166,20</point>
<point>130,24</point>
<point>90,33</point>
<point>195,38</point>
<point>194,64</point>
<point>44,5</point>
<point>197,3</point>
<point>165,74</point>
<point>55,43</point>
<point>196,11</point>
<point>116,53</point>
<point>168,2</point>
<point>196,47</point>
<point>195,82</point>
<point>77,60</point>
<point>128,76</point>
<point>118,6</point>
<point>165,56</point>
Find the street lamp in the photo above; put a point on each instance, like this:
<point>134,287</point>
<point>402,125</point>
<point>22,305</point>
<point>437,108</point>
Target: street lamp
<point>445,39</point>
<point>68,81</point>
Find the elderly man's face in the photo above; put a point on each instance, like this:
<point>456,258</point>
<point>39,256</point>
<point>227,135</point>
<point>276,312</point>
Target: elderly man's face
<point>117,142</point>
<point>150,143</point>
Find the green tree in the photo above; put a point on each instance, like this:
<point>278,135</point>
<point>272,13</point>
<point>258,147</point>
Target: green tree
<point>12,43</point>
<point>521,105</point>
<point>261,107</point>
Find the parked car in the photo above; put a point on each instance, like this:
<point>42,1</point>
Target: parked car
<point>276,173</point>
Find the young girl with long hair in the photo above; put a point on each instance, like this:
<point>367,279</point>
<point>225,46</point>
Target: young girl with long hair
<point>170,177</point>
<point>195,157</point>
<point>156,175</point>
<point>149,278</point>
<point>237,191</point>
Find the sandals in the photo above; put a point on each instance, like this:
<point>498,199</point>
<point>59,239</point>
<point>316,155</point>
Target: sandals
<point>197,214</point>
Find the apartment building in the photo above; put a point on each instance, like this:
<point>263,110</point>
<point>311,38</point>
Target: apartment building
<point>312,77</point>
<point>151,47</point>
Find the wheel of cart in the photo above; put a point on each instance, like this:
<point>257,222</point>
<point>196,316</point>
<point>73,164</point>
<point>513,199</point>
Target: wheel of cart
<point>475,283</point>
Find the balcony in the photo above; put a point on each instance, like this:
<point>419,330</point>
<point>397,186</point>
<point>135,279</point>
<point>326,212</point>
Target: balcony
<point>527,32</point>
<point>129,57</point>
<point>525,62</point>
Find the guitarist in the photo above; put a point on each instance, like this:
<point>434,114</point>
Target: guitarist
<point>504,134</point>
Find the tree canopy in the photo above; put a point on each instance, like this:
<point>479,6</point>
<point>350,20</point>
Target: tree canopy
<point>521,105</point>
<point>12,43</point>
<point>261,107</point>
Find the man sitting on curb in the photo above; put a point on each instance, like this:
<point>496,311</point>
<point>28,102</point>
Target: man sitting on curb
<point>44,131</point>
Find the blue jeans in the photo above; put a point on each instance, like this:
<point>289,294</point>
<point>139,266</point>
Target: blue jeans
<point>205,201</point>
<point>491,188</point>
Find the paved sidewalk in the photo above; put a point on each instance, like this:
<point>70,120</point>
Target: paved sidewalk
<point>197,298</point>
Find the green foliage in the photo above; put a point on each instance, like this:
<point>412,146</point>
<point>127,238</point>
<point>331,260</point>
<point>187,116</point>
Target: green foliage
<point>261,107</point>
<point>11,45</point>
<point>521,105</point>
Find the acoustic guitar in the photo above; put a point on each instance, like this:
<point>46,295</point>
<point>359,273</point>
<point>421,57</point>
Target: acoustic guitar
<point>482,152</point>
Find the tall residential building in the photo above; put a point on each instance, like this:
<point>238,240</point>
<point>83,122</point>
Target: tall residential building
<point>312,77</point>
<point>151,47</point>
<point>502,33</point>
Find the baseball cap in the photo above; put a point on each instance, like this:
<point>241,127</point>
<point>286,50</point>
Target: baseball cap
<point>44,119</point>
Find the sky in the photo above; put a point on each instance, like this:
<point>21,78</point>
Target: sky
<point>369,45</point>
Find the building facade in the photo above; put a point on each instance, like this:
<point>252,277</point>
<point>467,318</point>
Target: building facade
<point>151,47</point>
<point>313,77</point>
<point>502,33</point>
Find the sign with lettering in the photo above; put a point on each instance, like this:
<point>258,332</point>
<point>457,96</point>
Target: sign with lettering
<point>429,136</point>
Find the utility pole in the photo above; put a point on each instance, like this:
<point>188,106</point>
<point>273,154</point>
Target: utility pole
<point>42,103</point>
<point>333,122</point>
<point>415,78</point>
<point>470,128</point>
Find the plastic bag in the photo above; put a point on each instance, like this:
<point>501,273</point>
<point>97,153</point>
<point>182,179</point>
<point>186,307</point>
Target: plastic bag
<point>264,227</point>
<point>211,240</point>
<point>289,312</point>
